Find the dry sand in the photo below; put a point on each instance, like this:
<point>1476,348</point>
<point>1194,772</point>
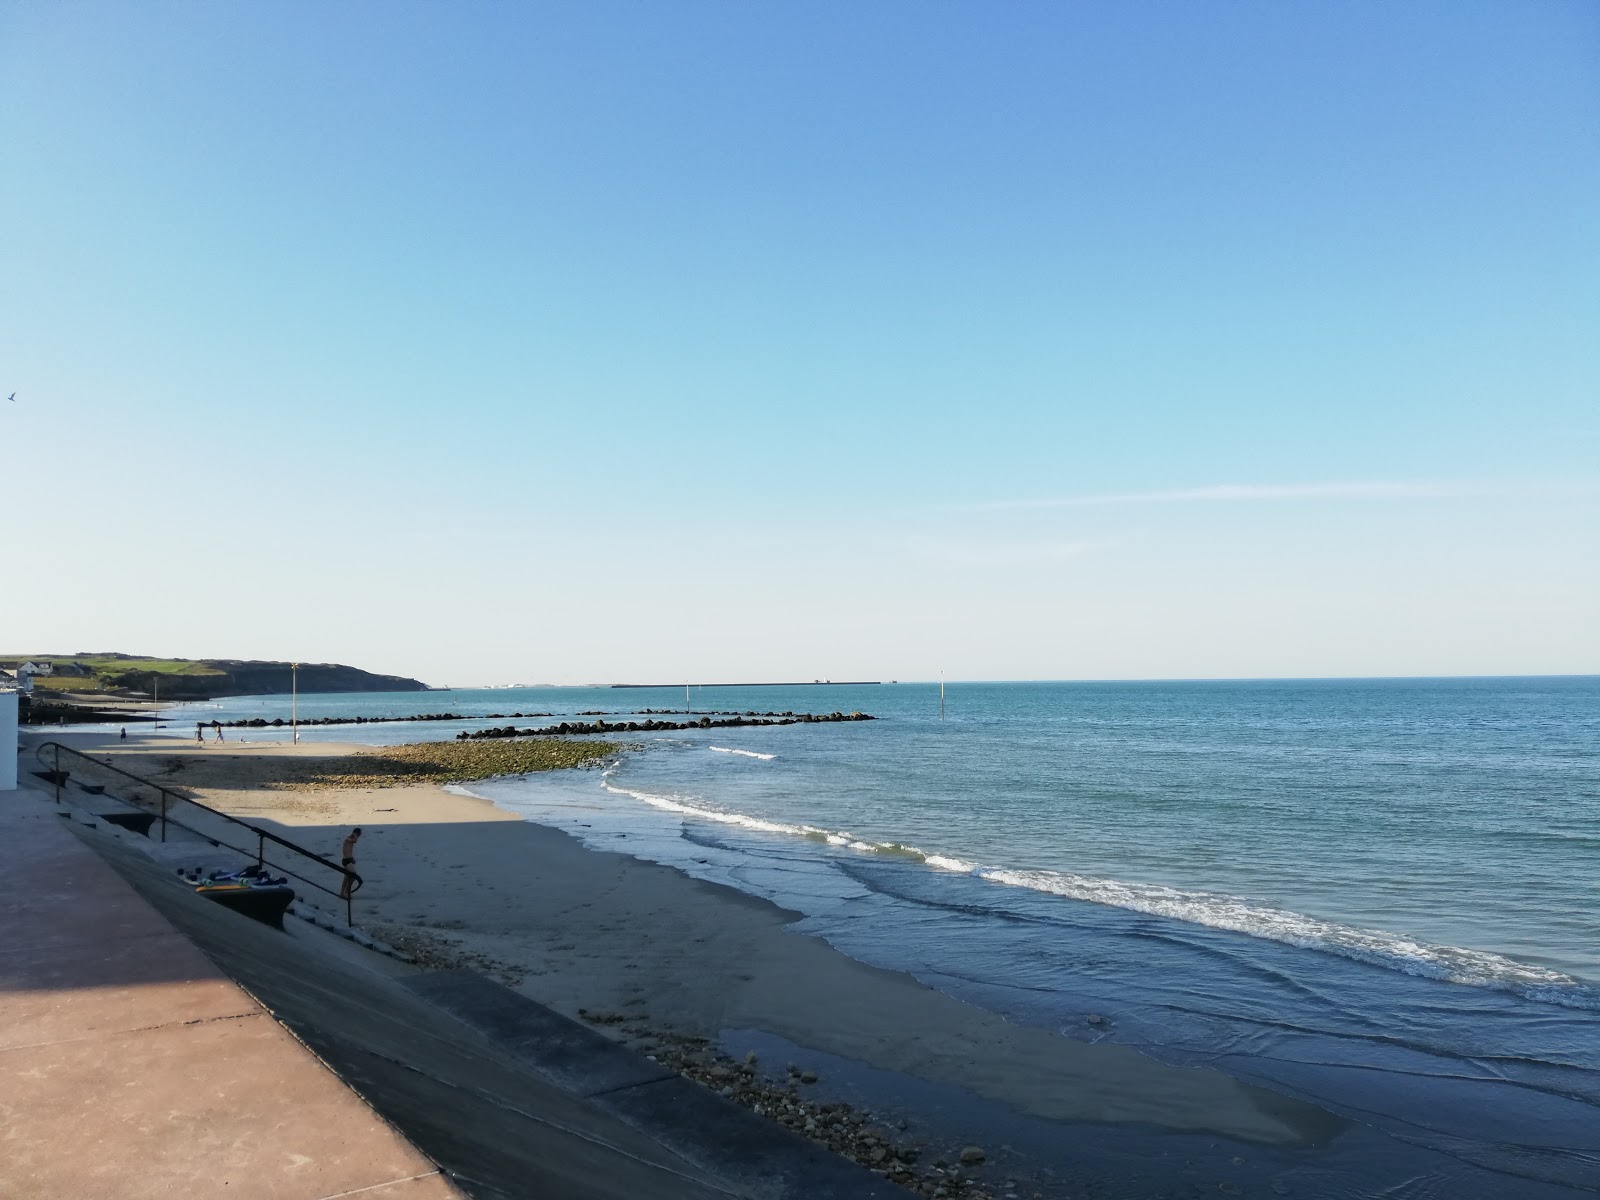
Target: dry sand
<point>576,928</point>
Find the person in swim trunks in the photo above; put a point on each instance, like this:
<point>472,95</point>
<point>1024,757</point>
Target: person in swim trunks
<point>347,859</point>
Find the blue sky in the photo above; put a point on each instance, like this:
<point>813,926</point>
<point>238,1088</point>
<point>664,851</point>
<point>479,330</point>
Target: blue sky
<point>596,341</point>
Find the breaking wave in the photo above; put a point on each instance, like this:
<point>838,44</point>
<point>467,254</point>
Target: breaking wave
<point>1476,968</point>
<point>1396,952</point>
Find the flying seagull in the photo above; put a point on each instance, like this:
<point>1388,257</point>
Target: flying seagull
<point>12,397</point>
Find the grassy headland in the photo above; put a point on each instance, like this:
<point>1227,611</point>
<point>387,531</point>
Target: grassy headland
<point>133,675</point>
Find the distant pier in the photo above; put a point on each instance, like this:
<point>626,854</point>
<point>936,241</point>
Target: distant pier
<point>807,683</point>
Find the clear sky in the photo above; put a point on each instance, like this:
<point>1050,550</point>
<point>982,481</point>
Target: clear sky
<point>598,341</point>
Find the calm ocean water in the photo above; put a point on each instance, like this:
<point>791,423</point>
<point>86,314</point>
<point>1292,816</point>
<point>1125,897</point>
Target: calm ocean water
<point>1383,895</point>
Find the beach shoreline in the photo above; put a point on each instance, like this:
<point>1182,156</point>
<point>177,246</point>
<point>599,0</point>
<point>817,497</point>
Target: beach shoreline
<point>667,962</point>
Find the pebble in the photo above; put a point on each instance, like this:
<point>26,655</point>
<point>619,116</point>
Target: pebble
<point>834,1124</point>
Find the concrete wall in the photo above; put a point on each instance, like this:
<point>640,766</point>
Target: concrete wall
<point>8,741</point>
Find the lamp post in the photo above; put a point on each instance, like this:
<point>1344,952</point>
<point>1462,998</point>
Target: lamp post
<point>294,702</point>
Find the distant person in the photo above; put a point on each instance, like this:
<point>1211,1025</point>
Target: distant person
<point>199,733</point>
<point>218,726</point>
<point>347,859</point>
<point>124,735</point>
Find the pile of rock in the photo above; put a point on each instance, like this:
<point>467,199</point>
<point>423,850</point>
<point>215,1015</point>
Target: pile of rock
<point>435,952</point>
<point>839,1126</point>
<point>600,725</point>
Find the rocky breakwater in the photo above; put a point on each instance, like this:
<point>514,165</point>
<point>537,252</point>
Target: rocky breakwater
<point>650,725</point>
<point>276,722</point>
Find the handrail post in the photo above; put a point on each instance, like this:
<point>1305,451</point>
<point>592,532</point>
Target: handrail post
<point>261,843</point>
<point>57,773</point>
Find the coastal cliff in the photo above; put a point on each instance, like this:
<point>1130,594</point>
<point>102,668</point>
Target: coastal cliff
<point>201,679</point>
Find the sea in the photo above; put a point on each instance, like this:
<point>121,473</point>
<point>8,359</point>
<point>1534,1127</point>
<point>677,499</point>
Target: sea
<point>1378,895</point>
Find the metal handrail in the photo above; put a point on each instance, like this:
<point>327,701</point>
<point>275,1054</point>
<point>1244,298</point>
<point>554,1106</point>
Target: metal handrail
<point>263,836</point>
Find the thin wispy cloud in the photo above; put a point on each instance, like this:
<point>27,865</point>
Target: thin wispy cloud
<point>1233,493</point>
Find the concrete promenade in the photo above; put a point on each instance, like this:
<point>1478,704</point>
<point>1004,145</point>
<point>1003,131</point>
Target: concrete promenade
<point>155,1044</point>
<point>131,1067</point>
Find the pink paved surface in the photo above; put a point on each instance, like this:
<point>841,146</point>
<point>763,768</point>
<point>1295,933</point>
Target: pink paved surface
<point>131,1067</point>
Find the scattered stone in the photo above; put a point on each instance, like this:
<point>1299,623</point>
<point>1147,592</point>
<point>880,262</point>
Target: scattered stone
<point>972,1155</point>
<point>835,1125</point>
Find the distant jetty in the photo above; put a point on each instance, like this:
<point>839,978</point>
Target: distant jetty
<point>806,683</point>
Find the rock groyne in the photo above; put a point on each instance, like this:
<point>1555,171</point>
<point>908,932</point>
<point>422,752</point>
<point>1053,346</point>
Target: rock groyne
<point>651,725</point>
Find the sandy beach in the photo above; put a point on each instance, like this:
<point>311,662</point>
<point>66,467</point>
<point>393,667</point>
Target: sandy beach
<point>580,929</point>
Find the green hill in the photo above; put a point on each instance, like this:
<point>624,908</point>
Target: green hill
<point>200,679</point>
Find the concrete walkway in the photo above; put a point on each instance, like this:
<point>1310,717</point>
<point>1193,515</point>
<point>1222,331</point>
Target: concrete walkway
<point>158,1075</point>
<point>131,1067</point>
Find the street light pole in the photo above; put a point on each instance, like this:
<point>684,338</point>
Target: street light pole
<point>294,702</point>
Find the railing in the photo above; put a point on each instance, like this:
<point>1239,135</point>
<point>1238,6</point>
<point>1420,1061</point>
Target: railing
<point>349,881</point>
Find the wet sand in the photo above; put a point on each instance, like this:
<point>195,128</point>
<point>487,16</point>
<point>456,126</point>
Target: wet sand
<point>581,928</point>
<point>578,929</point>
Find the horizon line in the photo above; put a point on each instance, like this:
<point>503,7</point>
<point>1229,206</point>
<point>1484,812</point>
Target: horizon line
<point>1082,679</point>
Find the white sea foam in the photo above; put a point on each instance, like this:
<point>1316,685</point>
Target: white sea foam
<point>684,806</point>
<point>945,863</point>
<point>679,804</point>
<point>1477,968</point>
<point>743,753</point>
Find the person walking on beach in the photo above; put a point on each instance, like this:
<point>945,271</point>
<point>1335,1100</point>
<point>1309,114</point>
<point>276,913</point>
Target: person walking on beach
<point>218,726</point>
<point>200,733</point>
<point>124,735</point>
<point>347,859</point>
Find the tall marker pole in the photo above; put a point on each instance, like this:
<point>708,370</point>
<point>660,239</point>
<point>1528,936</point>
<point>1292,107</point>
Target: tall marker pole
<point>294,702</point>
<point>941,695</point>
